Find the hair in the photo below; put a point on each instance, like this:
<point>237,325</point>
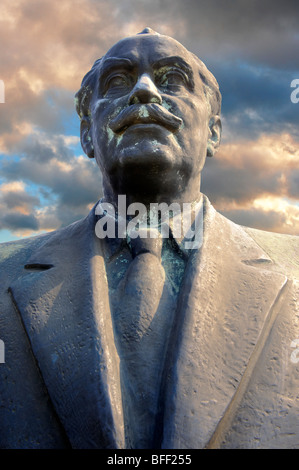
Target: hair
<point>83,96</point>
<point>210,84</point>
<point>211,87</point>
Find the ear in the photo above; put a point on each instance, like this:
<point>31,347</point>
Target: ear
<point>215,128</point>
<point>85,135</point>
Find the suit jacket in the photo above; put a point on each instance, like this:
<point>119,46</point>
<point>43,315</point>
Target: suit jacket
<point>232,377</point>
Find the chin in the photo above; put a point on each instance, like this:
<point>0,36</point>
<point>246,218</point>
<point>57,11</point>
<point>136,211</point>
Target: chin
<point>151,155</point>
<point>146,175</point>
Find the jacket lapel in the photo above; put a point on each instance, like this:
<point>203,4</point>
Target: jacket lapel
<point>227,298</point>
<point>63,301</point>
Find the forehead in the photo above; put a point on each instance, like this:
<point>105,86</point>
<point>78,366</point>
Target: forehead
<point>146,49</point>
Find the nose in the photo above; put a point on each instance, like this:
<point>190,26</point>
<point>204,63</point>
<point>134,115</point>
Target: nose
<point>145,91</point>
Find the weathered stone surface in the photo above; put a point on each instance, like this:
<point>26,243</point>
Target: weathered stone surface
<point>111,345</point>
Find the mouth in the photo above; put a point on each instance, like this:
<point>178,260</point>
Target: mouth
<point>142,126</point>
<point>147,115</point>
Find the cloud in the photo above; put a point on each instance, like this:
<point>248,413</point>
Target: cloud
<point>255,183</point>
<point>15,221</point>
<point>293,184</point>
<point>263,32</point>
<point>65,185</point>
<point>271,213</point>
<point>258,218</point>
<point>255,100</point>
<point>17,207</point>
<point>251,47</point>
<point>43,70</point>
<point>245,169</point>
<point>14,196</point>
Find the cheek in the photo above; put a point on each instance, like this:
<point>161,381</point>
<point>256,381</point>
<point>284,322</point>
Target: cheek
<point>193,112</point>
<point>197,113</point>
<point>103,111</point>
<point>193,135</point>
<point>104,140</point>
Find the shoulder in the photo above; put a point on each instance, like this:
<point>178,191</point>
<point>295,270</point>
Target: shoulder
<point>61,243</point>
<point>281,248</point>
<point>15,255</point>
<point>10,249</point>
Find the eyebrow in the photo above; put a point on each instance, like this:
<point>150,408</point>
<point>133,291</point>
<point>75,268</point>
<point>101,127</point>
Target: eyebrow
<point>173,60</point>
<point>112,63</point>
<point>178,62</point>
<point>115,63</point>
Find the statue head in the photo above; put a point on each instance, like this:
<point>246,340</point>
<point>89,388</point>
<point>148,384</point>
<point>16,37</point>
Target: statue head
<point>150,114</point>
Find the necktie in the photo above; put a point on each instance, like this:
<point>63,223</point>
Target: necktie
<point>140,292</point>
<point>143,311</point>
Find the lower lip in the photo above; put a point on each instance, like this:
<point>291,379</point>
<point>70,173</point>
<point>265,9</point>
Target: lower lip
<point>145,127</point>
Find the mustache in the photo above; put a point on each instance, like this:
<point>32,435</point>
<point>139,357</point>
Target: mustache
<point>145,114</point>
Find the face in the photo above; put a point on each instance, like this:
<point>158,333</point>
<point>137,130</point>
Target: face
<point>149,117</point>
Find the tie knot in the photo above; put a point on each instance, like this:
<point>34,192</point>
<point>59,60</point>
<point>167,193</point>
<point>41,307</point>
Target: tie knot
<point>147,241</point>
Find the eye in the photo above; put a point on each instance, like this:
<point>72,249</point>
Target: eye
<point>172,80</point>
<point>117,83</point>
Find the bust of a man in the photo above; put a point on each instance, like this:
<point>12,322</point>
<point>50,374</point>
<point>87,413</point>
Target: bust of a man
<point>154,322</point>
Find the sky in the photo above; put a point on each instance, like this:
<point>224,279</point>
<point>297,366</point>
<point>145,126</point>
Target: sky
<point>252,48</point>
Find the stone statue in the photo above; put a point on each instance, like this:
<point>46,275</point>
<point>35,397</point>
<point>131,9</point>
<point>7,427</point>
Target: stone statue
<point>150,337</point>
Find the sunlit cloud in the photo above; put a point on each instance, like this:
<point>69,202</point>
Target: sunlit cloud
<point>47,47</point>
<point>251,182</point>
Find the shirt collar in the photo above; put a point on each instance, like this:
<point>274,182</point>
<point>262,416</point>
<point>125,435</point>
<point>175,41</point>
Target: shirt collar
<point>185,228</point>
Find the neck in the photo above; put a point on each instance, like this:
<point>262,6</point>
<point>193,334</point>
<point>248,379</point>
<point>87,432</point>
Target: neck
<point>190,194</point>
